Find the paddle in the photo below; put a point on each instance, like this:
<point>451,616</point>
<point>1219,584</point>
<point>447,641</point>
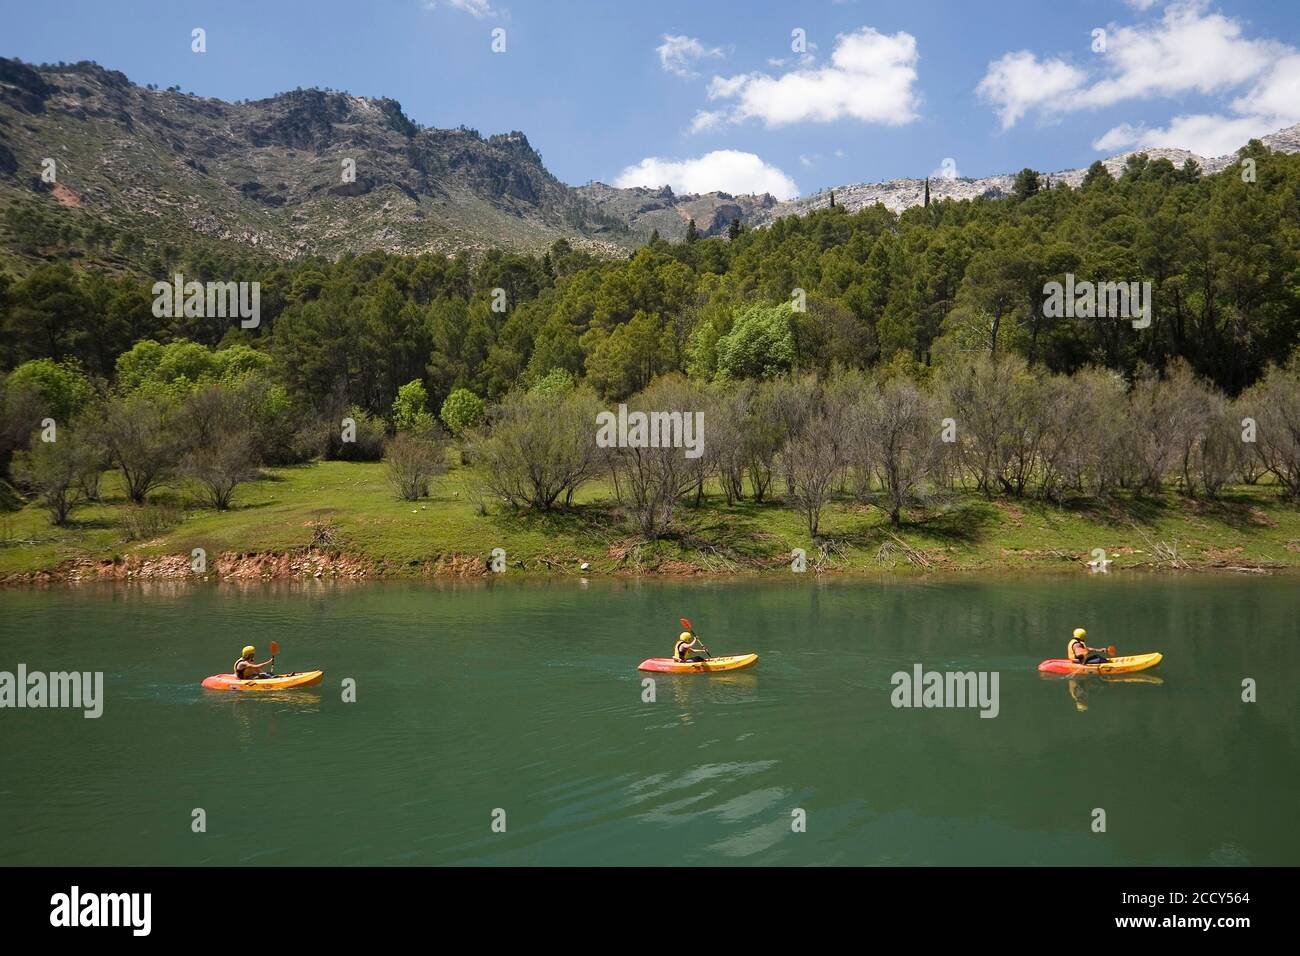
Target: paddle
<point>275,649</point>
<point>687,624</point>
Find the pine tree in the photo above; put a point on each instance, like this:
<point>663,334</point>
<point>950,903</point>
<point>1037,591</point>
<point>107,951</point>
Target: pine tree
<point>927,191</point>
<point>1026,184</point>
<point>691,232</point>
<point>733,231</point>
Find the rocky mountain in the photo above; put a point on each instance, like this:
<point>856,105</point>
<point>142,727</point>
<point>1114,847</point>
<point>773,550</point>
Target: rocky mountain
<point>899,194</point>
<point>321,172</point>
<point>304,172</point>
<point>649,210</point>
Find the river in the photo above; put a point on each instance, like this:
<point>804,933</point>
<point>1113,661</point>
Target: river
<point>518,702</point>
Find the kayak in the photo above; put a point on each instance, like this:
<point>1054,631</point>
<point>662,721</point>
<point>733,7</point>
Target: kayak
<point>279,682</point>
<point>1116,665</point>
<point>666,665</point>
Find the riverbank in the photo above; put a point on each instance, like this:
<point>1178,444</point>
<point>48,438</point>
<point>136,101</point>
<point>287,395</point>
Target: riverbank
<point>341,520</point>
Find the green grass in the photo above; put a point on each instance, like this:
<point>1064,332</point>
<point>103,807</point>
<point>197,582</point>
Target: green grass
<point>446,533</point>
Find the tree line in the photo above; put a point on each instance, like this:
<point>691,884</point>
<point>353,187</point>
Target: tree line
<point>1220,252</point>
<point>896,437</point>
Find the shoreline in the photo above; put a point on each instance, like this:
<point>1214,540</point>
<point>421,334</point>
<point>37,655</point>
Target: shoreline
<point>341,521</point>
<point>308,564</point>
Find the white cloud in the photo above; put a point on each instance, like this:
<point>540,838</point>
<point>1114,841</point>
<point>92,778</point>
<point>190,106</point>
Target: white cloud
<point>1277,95</point>
<point>1187,50</point>
<point>1271,104</point>
<point>871,77</point>
<point>1204,133</point>
<point>725,170</point>
<point>475,8</point>
<point>1019,81</point>
<point>678,54</point>
<point>707,119</point>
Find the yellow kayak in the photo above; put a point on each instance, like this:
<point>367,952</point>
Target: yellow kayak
<point>666,665</point>
<point>1116,665</point>
<point>282,682</point>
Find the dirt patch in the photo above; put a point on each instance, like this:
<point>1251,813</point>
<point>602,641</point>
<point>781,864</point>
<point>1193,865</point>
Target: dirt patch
<point>66,196</point>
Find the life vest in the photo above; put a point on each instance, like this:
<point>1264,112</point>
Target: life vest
<point>239,671</point>
<point>1072,655</point>
<point>681,649</point>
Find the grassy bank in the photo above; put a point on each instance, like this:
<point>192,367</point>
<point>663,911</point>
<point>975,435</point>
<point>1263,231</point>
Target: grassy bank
<point>342,519</point>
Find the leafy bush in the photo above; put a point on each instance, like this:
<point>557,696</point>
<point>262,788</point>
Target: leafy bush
<point>759,345</point>
<point>462,411</point>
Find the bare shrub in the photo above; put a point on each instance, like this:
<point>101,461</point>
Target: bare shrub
<point>138,432</point>
<point>55,471</point>
<point>902,429</point>
<point>652,480</point>
<point>412,460</point>
<point>218,441</point>
<point>815,454</point>
<point>1274,403</point>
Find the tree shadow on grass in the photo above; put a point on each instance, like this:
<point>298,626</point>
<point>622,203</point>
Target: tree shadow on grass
<point>967,522</point>
<point>732,533</point>
<point>578,521</point>
<point>1119,510</point>
<point>1235,509</point>
<point>960,522</point>
<point>90,524</point>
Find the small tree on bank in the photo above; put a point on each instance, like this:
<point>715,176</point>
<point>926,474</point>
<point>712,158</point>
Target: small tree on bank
<point>413,460</point>
<point>139,436</point>
<point>55,471</point>
<point>540,449</point>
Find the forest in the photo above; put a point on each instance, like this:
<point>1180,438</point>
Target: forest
<point>825,350</point>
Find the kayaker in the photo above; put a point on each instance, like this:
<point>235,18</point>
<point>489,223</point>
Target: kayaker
<point>687,642</point>
<point>245,669</point>
<point>1081,653</point>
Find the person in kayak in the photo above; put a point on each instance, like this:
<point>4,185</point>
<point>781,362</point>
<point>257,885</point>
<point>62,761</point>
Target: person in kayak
<point>687,642</point>
<point>245,669</point>
<point>1081,653</point>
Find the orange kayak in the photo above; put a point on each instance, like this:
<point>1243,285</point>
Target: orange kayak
<point>666,665</point>
<point>279,682</point>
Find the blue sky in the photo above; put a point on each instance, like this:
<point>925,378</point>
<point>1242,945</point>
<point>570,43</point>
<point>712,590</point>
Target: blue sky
<point>712,95</point>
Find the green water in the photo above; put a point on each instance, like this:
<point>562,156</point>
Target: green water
<point>524,696</point>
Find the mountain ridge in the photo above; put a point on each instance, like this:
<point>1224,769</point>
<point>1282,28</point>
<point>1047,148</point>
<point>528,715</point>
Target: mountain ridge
<point>270,174</point>
<point>900,194</point>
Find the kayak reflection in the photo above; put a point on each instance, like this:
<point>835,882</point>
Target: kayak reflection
<point>718,688</point>
<point>1082,689</point>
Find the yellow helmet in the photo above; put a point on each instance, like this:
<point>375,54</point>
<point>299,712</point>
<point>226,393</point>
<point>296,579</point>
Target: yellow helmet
<point>248,651</point>
<point>685,636</point>
<point>1080,633</point>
